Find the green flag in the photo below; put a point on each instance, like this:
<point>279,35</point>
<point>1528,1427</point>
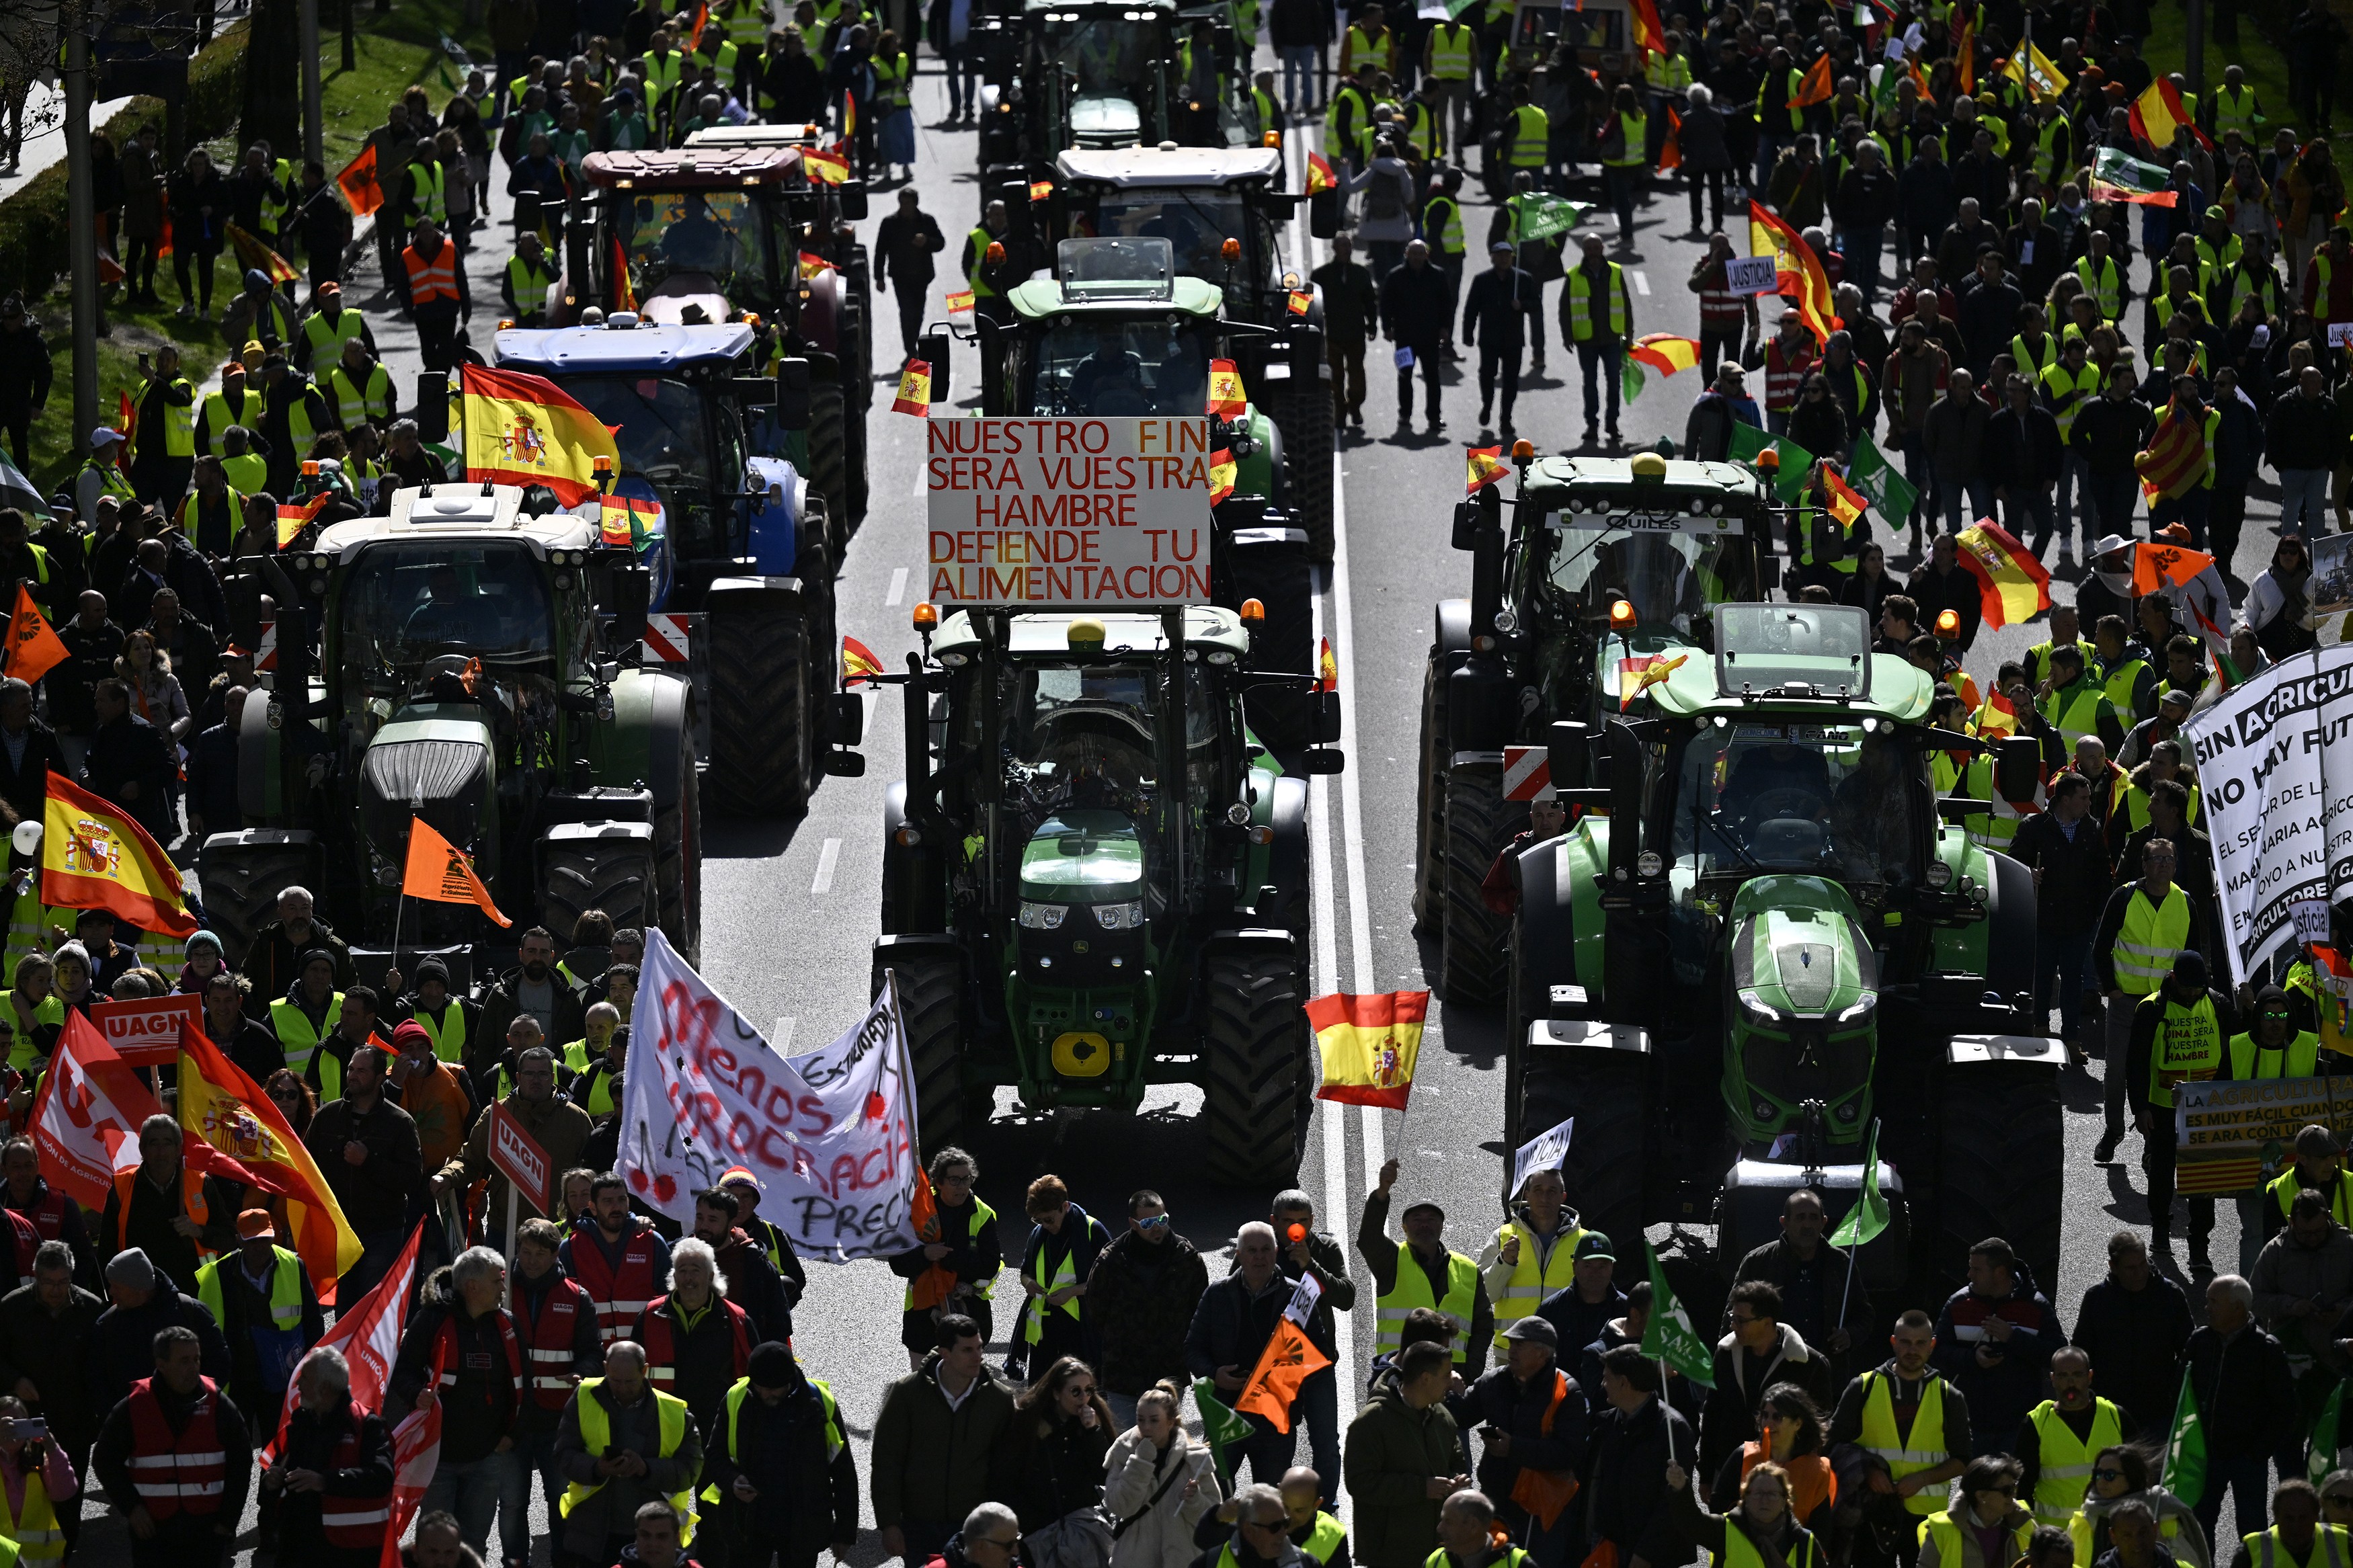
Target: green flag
<point>2185,1450</point>
<point>1630,379</point>
<point>1219,1424</point>
<point>1543,216</point>
<point>1670,1337</point>
<point>2324,1439</point>
<point>1869,1215</point>
<point>1796,463</point>
<point>1882,483</point>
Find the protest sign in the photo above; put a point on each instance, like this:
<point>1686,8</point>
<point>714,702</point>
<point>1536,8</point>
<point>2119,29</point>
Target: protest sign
<point>1750,275</point>
<point>2234,1135</point>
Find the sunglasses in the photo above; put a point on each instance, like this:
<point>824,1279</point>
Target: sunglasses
<point>1153,1222</point>
<point>2107,1474</point>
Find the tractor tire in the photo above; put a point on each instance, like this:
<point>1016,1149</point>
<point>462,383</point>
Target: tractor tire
<point>856,452</point>
<point>678,865</point>
<point>827,469</point>
<point>1478,823</point>
<point>931,1002</point>
<point>1606,1091</point>
<point>241,888</point>
<point>1253,1062</point>
<point>608,874</point>
<point>2000,1171</point>
<point>762,742</point>
<point>1429,800</point>
<point>1304,418</point>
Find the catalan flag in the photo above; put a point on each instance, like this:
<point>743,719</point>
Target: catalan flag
<point>1665,352</point>
<point>1638,674</point>
<point>1797,269</point>
<point>2013,587</point>
<point>1319,175</point>
<point>1300,301</point>
<point>2158,115</point>
<point>256,256</point>
<point>1369,1044</point>
<point>914,390</point>
<point>2175,458</point>
<point>1222,475</point>
<point>1816,86</point>
<point>859,664</point>
<point>1227,399</point>
<point>1840,500</point>
<point>1487,467</point>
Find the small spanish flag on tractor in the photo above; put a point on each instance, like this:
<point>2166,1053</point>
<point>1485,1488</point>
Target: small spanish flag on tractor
<point>1636,675</point>
<point>1040,189</point>
<point>1222,475</point>
<point>1487,467</point>
<point>811,265</point>
<point>1300,299</point>
<point>1327,669</point>
<point>858,662</point>
<point>2013,586</point>
<point>293,519</point>
<point>1319,175</point>
<point>1227,399</point>
<point>1369,1044</point>
<point>1841,499</point>
<point>960,302</point>
<point>622,519</point>
<point>827,168</point>
<point>914,390</point>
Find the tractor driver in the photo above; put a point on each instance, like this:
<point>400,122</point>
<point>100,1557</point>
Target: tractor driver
<point>698,242</point>
<point>1870,817</point>
<point>1778,777</point>
<point>447,615</point>
<point>1100,379</point>
<point>1649,570</point>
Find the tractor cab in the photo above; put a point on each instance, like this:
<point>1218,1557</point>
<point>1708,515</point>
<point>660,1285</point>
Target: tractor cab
<point>1076,73</point>
<point>1222,210</point>
<point>1598,31</point>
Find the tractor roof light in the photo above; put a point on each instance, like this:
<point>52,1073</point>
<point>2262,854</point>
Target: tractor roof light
<point>926,616</point>
<point>1621,616</point>
<point>310,467</point>
<point>1769,461</point>
<point>1272,139</point>
<point>1085,634</point>
<point>1948,625</point>
<point>1231,251</point>
<point>1253,612</point>
<point>1523,450</point>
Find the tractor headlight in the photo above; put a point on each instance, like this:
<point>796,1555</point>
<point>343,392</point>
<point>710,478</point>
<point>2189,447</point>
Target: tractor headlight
<point>1043,917</point>
<point>1757,1012</point>
<point>1507,620</point>
<point>1864,1007</point>
<point>1940,876</point>
<point>1128,916</point>
<point>1648,864</point>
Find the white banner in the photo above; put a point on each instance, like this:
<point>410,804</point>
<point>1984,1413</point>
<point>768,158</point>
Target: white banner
<point>1069,513</point>
<point>1545,1152</point>
<point>2280,813</point>
<point>830,1135</point>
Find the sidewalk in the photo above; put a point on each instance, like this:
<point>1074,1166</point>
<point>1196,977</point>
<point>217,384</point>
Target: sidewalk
<point>48,149</point>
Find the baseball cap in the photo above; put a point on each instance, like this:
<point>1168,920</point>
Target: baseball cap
<point>2173,696</point>
<point>1501,247</point>
<point>105,434</point>
<point>1593,1244</point>
<point>1415,1208</point>
<point>1536,1328</point>
<point>255,1225</point>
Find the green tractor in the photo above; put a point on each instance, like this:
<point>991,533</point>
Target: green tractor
<point>477,670</point>
<point>1082,73</point>
<point>1095,877</point>
<point>1767,936</point>
<point>1602,566</point>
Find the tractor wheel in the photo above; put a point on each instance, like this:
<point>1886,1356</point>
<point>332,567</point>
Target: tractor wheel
<point>855,454</point>
<point>1429,799</point>
<point>1605,1091</point>
<point>761,740</point>
<point>678,863</point>
<point>608,874</point>
<point>2001,1171</point>
<point>828,416</point>
<point>241,884</point>
<point>1304,418</point>
<point>931,1002</point>
<point>1478,823</point>
<point>1253,1057</point>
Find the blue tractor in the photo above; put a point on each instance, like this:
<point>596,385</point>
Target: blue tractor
<point>713,490</point>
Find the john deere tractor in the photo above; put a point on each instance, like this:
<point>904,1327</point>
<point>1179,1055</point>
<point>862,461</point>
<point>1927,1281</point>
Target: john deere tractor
<point>1076,73</point>
<point>1590,570</point>
<point>477,670</point>
<point>1764,935</point>
<point>1095,876</point>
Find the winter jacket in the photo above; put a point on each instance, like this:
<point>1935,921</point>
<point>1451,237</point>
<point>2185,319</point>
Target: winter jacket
<point>807,1499</point>
<point>932,1463</point>
<point>149,1226</point>
<point>2075,884</point>
<point>481,1408</point>
<point>373,1194</point>
<point>2287,1272</point>
<point>271,961</point>
<point>52,1348</point>
<point>1866,199</point>
<point>754,1284</point>
<point>1051,1465</point>
<point>122,1342</point>
<point>1417,305</point>
<point>703,1349</point>
<point>1729,1418</point>
<point>1142,1296</point>
<point>311,1437</point>
<point>1707,434</point>
<point>2301,431</point>
<point>1392,1452</point>
<point>1925,202</point>
<point>612,1508</point>
<point>2000,1395</point>
<point>560,1127</point>
<point>1232,1323</point>
<point>1136,1472</point>
<point>1955,430</point>
<point>1624,1498</point>
<point>1989,321</point>
<point>2136,1339</point>
<point>110,1458</point>
<point>2022,450</point>
<point>2246,1393</point>
<point>1517,1409</point>
<point>499,1010</point>
<point>2109,431</point>
<point>1701,141</point>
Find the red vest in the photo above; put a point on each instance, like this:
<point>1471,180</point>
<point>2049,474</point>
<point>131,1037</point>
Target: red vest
<point>661,1342</point>
<point>47,1215</point>
<point>1784,374</point>
<point>175,1472</point>
<point>547,1339</point>
<point>27,1240</point>
<point>620,1294</point>
<point>446,1355</point>
<point>353,1521</point>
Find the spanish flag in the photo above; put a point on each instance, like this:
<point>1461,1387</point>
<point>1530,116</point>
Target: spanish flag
<point>621,519</point>
<point>1965,47</point>
<point>914,390</point>
<point>257,257</point>
<point>1642,20</point>
<point>1319,175</point>
<point>223,1108</point>
<point>1368,1045</point>
<point>1487,467</point>
<point>858,662</point>
<point>1665,352</point>
<point>825,168</point>
<point>625,298</point>
<point>1997,716</point>
<point>1636,675</point>
<point>1797,270</point>
<point>359,183</point>
<point>1222,475</point>
<point>2158,114</point>
<point>94,856</point>
<point>1843,502</point>
<point>439,872</point>
<point>293,519</point>
<point>813,265</point>
<point>848,118</point>
<point>1040,189</point>
<point>1300,301</point>
<point>1816,87</point>
<point>1288,1360</point>
<point>1227,399</point>
<point>1327,669</point>
<point>960,302</point>
<point>523,429</point>
<point>34,648</point>
<point>2013,586</point>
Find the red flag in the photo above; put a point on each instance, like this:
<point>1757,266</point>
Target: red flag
<point>126,421</point>
<point>416,1455</point>
<point>359,183</point>
<point>1671,151</point>
<point>368,1333</point>
<point>1642,20</point>
<point>86,1118</point>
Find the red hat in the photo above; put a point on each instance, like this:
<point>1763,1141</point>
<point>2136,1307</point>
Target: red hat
<point>410,1032</point>
<point>254,1224</point>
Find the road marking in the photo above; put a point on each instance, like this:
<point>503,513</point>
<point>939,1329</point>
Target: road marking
<point>1642,283</point>
<point>898,587</point>
<point>825,860</point>
<point>1352,795</point>
<point>782,1040</point>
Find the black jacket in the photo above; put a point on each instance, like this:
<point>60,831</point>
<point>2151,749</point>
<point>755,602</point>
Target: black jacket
<point>25,370</point>
<point>90,652</point>
<point>1936,592</point>
<point>1625,1480</point>
<point>807,1500</point>
<point>110,1460</point>
<point>2246,1394</point>
<point>212,780</point>
<point>1142,1296</point>
<point>1517,1410</point>
<point>2022,450</point>
<point>1741,1379</point>
<point>897,258</point>
<point>1865,198</point>
<point>2109,431</point>
<point>149,1224</point>
<point>1416,306</point>
<point>123,1342</point>
<point>500,1007</point>
<point>375,1194</point>
<point>2301,431</point>
<point>1989,321</point>
<point>703,1357</point>
<point>1051,1465</point>
<point>2075,887</point>
<point>1350,303</point>
<point>1498,306</point>
<point>310,1441</point>
<point>24,784</point>
<point>481,1408</point>
<point>271,963</point>
<point>52,1350</point>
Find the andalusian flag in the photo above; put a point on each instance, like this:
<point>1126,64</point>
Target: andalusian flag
<point>1840,500</point>
<point>2118,177</point>
<point>2032,69</point>
<point>1040,189</point>
<point>1643,19</point>
<point>1227,399</point>
<point>1222,475</point>
<point>1638,674</point>
<point>1665,352</point>
<point>1669,1336</point>
<point>1220,1427</point>
<point>293,519</point>
<point>95,856</point>
<point>441,873</point>
<point>2013,587</point>
<point>1319,175</point>
<point>223,1107</point>
<point>1879,482</point>
<point>523,429</point>
<point>1749,443</point>
<point>1870,1214</point>
<point>2158,115</point>
<point>1815,87</point>
<point>1797,269</point>
<point>34,646</point>
<point>2185,1449</point>
<point>2323,1453</point>
<point>1368,1045</point>
<point>1486,468</point>
<point>1327,669</point>
<point>1300,301</point>
<point>622,520</point>
<point>914,390</point>
<point>826,168</point>
<point>858,662</point>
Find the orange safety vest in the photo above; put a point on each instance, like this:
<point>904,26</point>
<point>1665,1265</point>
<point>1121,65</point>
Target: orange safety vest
<point>434,279</point>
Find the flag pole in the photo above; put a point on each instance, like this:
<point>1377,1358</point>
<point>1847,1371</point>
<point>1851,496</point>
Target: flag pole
<point>1854,1252</point>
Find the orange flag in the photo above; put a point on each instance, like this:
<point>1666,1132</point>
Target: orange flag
<point>359,185</point>
<point>438,870</point>
<point>1965,51</point>
<point>1671,151</point>
<point>1286,1362</point>
<point>33,645</point>
<point>1817,87</point>
<point>2157,566</point>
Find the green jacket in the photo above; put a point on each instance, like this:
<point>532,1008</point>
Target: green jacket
<point>931,1464</point>
<point>1392,1451</point>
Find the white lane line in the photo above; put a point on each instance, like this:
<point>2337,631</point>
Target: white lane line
<point>824,860</point>
<point>1641,282</point>
<point>920,487</point>
<point>782,1040</point>
<point>898,587</point>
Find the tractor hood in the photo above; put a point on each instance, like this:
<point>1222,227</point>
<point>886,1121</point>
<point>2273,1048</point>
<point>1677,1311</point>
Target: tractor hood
<point>1624,659</point>
<point>434,760</point>
<point>1083,857</point>
<point>1798,954</point>
<point>1100,119</point>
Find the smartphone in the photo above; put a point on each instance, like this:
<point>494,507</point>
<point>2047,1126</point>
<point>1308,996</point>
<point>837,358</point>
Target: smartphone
<point>28,1429</point>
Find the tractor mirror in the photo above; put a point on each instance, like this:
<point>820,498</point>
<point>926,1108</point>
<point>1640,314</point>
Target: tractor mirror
<point>1320,761</point>
<point>1570,754</point>
<point>852,193</point>
<point>792,394</point>
<point>1466,525</point>
<point>2017,768</point>
<point>1015,195</point>
<point>1327,716</point>
<point>1324,214</point>
<point>845,765</point>
<point>932,348</point>
<point>754,391</point>
<point>848,718</point>
<point>1768,572</point>
<point>628,593</point>
<point>433,406</point>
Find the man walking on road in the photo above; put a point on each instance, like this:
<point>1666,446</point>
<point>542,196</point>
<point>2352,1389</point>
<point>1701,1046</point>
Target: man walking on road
<point>2246,1405</point>
<point>1421,1271</point>
<point>2178,1035</point>
<point>1914,1426</point>
<point>1351,317</point>
<point>937,1433</point>
<point>1503,301</point>
<point>2133,1324</point>
<point>2068,855</point>
<point>1597,316</point>
<point>2145,924</point>
<point>1404,1456</point>
<point>905,248</point>
<point>1416,311</point>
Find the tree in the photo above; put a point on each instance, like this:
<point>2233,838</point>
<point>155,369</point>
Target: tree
<point>273,77</point>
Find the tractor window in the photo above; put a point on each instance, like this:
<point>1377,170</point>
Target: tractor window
<point>1205,734</point>
<point>1115,369</point>
<point>1107,53</point>
<point>405,603</point>
<point>1082,736</point>
<point>1197,223</point>
<point>1669,578</point>
<point>728,237</point>
<point>665,436</point>
<point>1792,795</point>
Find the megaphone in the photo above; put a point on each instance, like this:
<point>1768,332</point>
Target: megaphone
<point>26,839</point>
